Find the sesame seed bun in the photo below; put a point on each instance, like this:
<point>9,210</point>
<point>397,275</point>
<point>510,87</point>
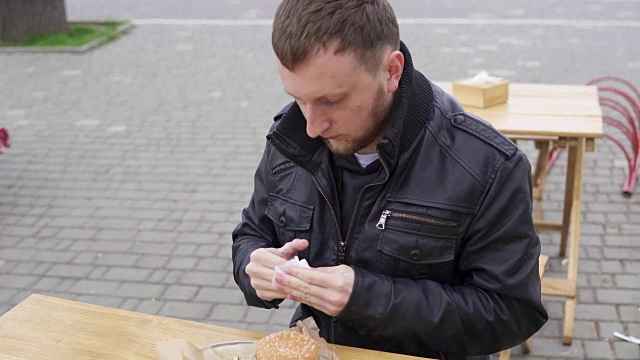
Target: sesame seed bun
<point>287,345</point>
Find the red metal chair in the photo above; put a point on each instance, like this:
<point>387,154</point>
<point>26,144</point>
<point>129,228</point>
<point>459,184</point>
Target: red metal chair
<point>4,139</point>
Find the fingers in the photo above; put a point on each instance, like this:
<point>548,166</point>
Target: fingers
<point>292,248</point>
<point>324,277</point>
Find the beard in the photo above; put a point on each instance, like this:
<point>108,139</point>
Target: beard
<point>381,115</point>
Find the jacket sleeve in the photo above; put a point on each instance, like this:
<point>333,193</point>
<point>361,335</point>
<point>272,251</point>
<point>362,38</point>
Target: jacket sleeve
<point>255,231</point>
<point>498,304</point>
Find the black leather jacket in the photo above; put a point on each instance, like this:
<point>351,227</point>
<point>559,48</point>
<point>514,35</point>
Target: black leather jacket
<point>442,243</point>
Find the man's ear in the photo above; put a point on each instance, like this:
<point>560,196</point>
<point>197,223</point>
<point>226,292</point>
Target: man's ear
<point>394,65</point>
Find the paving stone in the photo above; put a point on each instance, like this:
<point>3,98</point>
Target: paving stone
<point>108,301</point>
<point>630,313</point>
<point>613,296</point>
<point>153,248</point>
<point>118,235</point>
<point>213,264</point>
<point>46,284</point>
<point>598,349</point>
<point>607,329</point>
<point>149,306</point>
<point>225,312</point>
<point>625,350</point>
<point>256,315</point>
<point>54,256</point>
<point>127,274</point>
<point>17,281</point>
<point>152,261</point>
<point>582,330</point>
<point>185,263</point>
<point>627,281</point>
<point>220,295</point>
<point>94,287</point>
<point>116,259</point>
<point>180,292</point>
<point>204,278</point>
<point>74,233</point>
<point>142,291</point>
<point>185,310</point>
<point>130,304</point>
<point>596,312</point>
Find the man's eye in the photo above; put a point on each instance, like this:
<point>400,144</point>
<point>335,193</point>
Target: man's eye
<point>328,102</point>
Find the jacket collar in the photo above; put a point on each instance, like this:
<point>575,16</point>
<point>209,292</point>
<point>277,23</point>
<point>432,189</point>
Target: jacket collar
<point>412,108</point>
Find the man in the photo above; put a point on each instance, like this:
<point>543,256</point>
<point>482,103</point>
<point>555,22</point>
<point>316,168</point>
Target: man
<point>414,215</point>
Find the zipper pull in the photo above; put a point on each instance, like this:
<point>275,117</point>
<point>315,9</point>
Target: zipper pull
<point>383,219</point>
<point>342,252</point>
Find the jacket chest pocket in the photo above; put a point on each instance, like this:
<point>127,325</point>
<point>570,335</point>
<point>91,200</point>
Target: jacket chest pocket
<point>416,246</point>
<point>291,219</point>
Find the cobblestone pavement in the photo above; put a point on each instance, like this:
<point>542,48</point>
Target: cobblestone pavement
<point>130,164</point>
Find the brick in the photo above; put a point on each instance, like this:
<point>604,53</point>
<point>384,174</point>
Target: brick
<point>118,235</point>
<point>204,278</point>
<point>111,246</point>
<point>213,264</point>
<point>142,291</point>
<point>625,350</point>
<point>621,253</point>
<point>596,312</point>
<point>70,271</point>
<point>152,261</point>
<point>630,314</point>
<point>68,222</point>
<point>156,236</point>
<point>94,287</point>
<point>225,312</point>
<point>220,295</point>
<point>256,315</point>
<point>196,238</point>
<point>54,256</point>
<point>7,294</point>
<point>80,245</point>
<point>19,230</point>
<point>601,281</point>
<point>173,277</point>
<point>631,266</point>
<point>598,349</point>
<point>586,295</point>
<point>207,251</point>
<point>119,224</point>
<point>185,263</point>
<point>98,272</point>
<point>149,306</point>
<point>185,250</point>
<point>613,296</point>
<point>24,268</point>
<point>130,304</point>
<point>108,301</point>
<point>582,330</point>
<point>153,248</point>
<point>158,275</point>
<point>46,284</point>
<point>80,234</point>
<point>186,310</point>
<point>127,274</point>
<point>180,292</point>
<point>17,281</point>
<point>16,254</point>
<point>628,281</point>
<point>65,285</point>
<point>113,259</point>
<point>611,266</point>
<point>607,328</point>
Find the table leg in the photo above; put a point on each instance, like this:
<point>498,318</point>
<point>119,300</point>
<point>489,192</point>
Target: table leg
<point>540,176</point>
<point>577,149</point>
<point>568,195</point>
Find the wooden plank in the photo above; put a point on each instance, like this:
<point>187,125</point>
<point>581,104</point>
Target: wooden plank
<point>590,146</point>
<point>542,264</point>
<point>43,327</point>
<point>546,224</point>
<point>569,321</point>
<point>570,183</point>
<point>558,287</point>
<point>505,354</point>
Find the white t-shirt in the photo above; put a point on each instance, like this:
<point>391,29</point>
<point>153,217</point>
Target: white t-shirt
<point>366,159</point>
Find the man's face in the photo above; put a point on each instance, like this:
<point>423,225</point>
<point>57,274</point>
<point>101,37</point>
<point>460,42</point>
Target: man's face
<point>342,102</point>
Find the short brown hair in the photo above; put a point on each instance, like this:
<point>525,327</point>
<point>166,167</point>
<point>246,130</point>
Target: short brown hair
<point>365,27</point>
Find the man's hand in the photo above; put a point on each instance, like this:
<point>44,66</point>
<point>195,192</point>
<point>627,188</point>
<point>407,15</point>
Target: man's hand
<point>327,289</point>
<point>263,261</point>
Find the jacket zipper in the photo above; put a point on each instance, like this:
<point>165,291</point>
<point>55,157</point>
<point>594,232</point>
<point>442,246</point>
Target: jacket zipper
<point>342,249</point>
<point>426,220</point>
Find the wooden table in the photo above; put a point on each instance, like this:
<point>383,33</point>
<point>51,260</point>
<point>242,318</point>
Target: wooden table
<point>569,116</point>
<point>43,327</point>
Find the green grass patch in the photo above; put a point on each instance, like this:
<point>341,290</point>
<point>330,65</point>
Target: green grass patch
<point>78,35</point>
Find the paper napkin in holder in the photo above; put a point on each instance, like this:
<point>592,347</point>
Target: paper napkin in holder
<point>481,91</point>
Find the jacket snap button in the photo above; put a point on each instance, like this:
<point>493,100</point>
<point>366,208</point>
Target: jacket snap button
<point>415,254</point>
<point>283,221</point>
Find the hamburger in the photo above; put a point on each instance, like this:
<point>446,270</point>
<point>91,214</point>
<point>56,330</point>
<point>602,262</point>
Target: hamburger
<point>287,345</point>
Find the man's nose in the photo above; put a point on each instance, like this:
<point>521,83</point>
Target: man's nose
<point>317,121</point>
